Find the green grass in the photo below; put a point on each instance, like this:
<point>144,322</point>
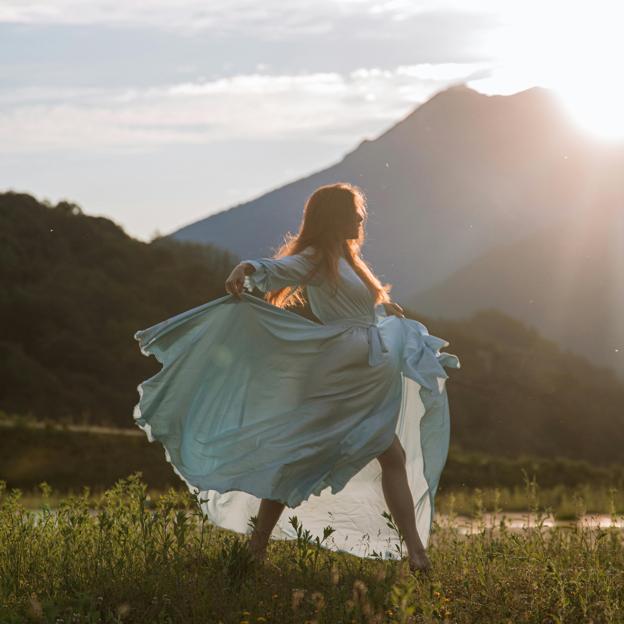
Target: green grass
<point>157,560</point>
<point>563,502</point>
<point>67,458</point>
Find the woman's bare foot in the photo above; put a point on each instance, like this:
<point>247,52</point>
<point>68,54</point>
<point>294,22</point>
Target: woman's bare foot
<point>258,546</point>
<point>258,554</point>
<point>419,562</point>
<point>258,550</point>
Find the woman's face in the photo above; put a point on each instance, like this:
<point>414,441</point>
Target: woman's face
<point>354,224</point>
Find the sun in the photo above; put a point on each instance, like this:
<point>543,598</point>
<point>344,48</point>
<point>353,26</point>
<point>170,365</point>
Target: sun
<point>580,49</point>
<point>598,109</point>
<point>583,57</point>
<point>574,48</point>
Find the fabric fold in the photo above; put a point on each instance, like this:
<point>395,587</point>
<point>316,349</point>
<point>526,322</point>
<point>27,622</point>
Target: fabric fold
<point>256,401</point>
<point>422,360</point>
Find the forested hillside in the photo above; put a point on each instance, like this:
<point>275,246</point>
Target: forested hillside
<point>74,289</point>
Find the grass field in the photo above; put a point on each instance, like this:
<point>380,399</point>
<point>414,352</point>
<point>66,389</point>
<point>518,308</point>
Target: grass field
<point>124,556</point>
<point>563,502</point>
<point>70,457</point>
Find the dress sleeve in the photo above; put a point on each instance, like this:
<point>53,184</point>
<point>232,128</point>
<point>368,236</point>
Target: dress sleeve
<point>276,273</point>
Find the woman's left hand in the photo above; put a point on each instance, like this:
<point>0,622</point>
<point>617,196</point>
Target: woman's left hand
<point>394,308</point>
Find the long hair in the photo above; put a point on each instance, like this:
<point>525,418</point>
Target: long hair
<point>326,214</point>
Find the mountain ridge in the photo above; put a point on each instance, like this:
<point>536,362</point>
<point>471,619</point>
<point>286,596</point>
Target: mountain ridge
<point>457,177</point>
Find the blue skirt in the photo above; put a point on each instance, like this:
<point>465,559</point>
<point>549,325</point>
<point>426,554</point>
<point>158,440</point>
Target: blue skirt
<point>254,401</point>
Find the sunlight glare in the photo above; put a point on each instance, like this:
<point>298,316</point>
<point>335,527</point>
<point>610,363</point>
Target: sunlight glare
<point>574,48</point>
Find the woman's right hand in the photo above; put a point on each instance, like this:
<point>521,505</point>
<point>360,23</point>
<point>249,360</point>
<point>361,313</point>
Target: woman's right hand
<point>393,308</point>
<point>236,280</point>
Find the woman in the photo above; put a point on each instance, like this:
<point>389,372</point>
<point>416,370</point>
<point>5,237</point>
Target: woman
<point>260,408</point>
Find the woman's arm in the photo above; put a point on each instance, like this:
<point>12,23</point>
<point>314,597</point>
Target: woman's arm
<point>270,273</point>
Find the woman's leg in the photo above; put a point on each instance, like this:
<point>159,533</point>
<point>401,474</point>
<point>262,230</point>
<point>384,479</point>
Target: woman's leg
<point>399,500</point>
<point>268,515</point>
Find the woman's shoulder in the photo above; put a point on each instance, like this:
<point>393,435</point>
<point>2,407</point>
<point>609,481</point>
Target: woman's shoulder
<point>310,250</point>
<point>312,261</point>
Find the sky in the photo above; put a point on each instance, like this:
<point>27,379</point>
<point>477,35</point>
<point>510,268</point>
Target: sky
<point>157,114</point>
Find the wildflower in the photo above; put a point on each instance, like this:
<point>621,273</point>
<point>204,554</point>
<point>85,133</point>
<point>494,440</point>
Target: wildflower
<point>318,599</point>
<point>36,609</point>
<point>297,597</point>
<point>261,619</point>
<point>359,590</point>
<point>245,613</point>
<point>335,575</point>
<point>123,609</point>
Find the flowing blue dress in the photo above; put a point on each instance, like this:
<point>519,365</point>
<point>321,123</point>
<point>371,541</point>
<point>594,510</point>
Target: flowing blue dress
<point>254,401</point>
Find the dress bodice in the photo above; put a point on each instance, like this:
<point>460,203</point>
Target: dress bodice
<point>352,300</point>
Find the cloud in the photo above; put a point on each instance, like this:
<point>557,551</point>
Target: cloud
<point>328,105</point>
<point>271,18</point>
<point>189,15</point>
<point>334,69</point>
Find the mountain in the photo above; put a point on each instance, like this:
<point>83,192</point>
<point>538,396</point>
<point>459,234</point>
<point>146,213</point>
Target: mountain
<point>460,176</point>
<point>75,288</point>
<point>566,280</point>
